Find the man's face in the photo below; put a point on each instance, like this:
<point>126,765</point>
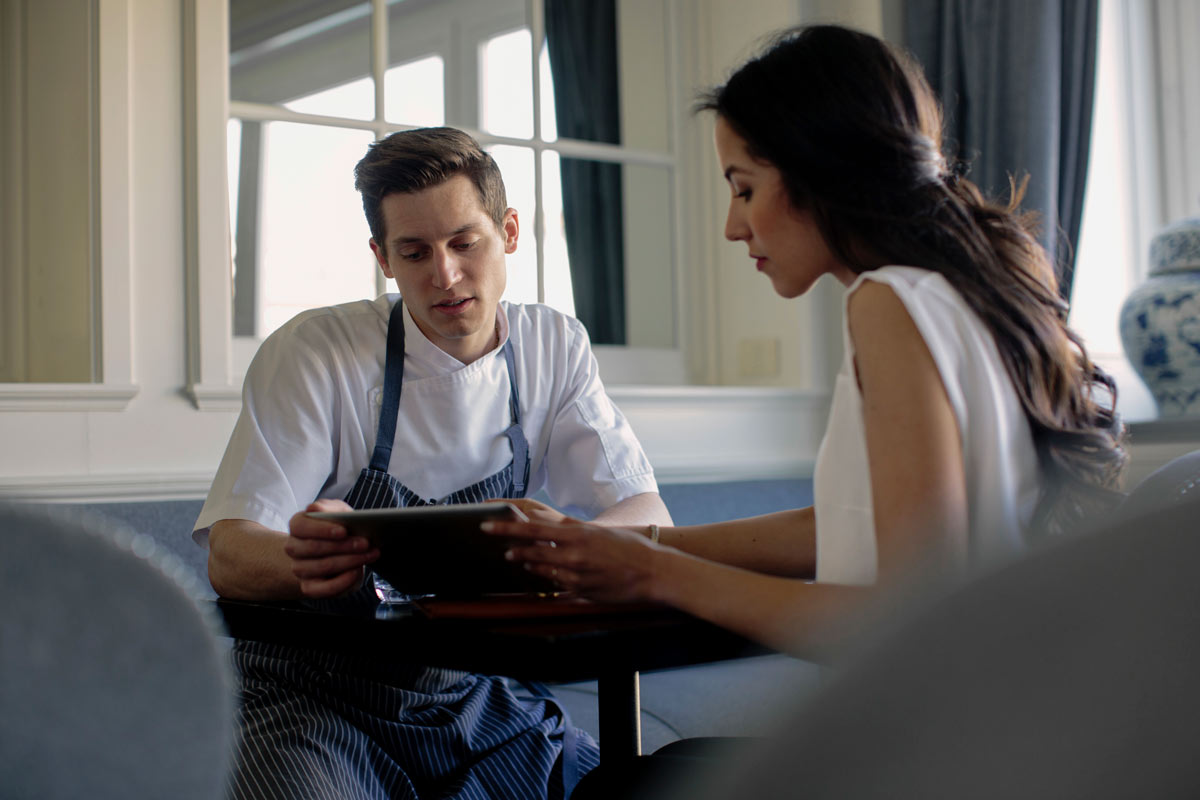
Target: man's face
<point>447,257</point>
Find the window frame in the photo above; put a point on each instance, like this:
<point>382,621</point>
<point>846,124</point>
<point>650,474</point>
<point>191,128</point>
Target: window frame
<point>1156,84</point>
<point>216,358</point>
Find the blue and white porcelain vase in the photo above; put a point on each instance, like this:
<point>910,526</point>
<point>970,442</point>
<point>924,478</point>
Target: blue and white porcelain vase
<point>1160,321</point>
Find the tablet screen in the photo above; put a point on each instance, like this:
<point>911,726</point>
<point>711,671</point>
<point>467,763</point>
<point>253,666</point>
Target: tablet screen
<point>440,550</point>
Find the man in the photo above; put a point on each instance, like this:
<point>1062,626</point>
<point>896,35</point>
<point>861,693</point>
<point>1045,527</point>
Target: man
<point>444,396</point>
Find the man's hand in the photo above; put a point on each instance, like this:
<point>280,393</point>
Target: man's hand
<point>536,511</point>
<point>327,561</point>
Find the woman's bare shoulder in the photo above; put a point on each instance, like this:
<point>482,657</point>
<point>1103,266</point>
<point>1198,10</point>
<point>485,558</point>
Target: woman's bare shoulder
<point>873,308</point>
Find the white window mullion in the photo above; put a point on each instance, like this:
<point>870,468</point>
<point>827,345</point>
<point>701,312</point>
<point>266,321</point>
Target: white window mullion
<point>462,80</point>
<point>539,224</point>
<point>601,151</point>
<point>1141,95</point>
<point>380,58</point>
<point>211,382</point>
<point>537,39</point>
<point>263,112</point>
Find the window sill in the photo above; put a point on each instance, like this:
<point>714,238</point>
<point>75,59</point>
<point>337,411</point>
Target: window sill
<point>1165,431</point>
<point>66,396</point>
<point>216,397</point>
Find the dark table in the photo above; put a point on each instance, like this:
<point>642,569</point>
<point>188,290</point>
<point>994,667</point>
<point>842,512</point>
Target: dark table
<point>611,646</point>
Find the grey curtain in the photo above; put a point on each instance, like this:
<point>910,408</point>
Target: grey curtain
<point>1016,79</point>
<point>581,36</point>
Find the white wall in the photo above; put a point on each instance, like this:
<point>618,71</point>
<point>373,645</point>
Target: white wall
<point>753,337</point>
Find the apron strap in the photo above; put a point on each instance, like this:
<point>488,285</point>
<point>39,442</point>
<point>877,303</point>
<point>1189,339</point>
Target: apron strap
<point>393,377</point>
<point>520,462</point>
<point>515,434</point>
<point>514,398</point>
<point>570,754</point>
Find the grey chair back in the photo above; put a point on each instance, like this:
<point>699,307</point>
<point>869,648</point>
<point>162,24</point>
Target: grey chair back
<point>113,682</point>
<point>1071,673</point>
<point>1177,480</point>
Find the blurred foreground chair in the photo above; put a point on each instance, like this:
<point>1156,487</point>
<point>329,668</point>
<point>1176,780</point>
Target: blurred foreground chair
<point>1069,674</point>
<point>112,681</point>
<point>1175,481</point>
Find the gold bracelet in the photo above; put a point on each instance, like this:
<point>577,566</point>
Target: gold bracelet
<point>654,533</point>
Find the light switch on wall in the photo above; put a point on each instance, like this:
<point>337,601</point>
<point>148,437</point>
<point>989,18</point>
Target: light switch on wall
<point>758,358</point>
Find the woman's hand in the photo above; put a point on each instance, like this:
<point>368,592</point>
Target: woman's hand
<point>324,557</point>
<point>602,563</point>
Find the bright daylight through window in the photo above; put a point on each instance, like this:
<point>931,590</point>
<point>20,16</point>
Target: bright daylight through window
<point>303,100</point>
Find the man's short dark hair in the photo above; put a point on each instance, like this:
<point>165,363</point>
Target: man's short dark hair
<point>410,161</point>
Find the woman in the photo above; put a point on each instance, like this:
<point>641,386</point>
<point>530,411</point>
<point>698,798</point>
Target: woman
<point>967,418</point>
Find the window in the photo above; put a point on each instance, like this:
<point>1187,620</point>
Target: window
<point>304,105</point>
<point>1124,204</point>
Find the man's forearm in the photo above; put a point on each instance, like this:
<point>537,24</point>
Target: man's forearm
<point>641,509</point>
<point>246,561</point>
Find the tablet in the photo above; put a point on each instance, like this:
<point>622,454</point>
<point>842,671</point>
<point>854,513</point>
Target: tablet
<point>439,550</point>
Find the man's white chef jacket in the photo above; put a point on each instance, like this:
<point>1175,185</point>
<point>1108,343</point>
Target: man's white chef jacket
<point>310,410</point>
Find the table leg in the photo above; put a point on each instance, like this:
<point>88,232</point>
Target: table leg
<point>620,709</point>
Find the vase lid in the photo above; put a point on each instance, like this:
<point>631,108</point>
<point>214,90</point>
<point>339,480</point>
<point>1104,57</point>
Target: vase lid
<point>1176,248</point>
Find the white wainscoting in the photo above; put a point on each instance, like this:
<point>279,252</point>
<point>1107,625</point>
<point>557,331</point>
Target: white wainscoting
<point>691,434</point>
<point>102,488</point>
<point>697,434</point>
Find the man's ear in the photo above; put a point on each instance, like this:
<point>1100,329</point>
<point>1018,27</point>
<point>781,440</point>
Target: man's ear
<point>381,257</point>
<point>512,229</point>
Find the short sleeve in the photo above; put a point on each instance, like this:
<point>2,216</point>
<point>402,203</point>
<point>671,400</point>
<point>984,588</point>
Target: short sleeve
<point>594,460</point>
<point>281,451</point>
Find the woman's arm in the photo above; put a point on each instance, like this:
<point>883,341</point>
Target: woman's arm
<point>730,573</point>
<point>620,564</point>
<point>782,543</point>
<point>914,447</point>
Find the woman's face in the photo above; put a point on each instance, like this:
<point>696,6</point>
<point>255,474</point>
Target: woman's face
<point>785,243</point>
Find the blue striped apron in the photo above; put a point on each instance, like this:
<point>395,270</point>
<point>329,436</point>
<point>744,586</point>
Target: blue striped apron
<point>314,724</point>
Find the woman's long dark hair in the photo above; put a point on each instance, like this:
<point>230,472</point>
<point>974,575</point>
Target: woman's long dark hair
<point>855,131</point>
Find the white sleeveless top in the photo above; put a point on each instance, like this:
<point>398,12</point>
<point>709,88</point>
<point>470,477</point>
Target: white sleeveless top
<point>997,445</point>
